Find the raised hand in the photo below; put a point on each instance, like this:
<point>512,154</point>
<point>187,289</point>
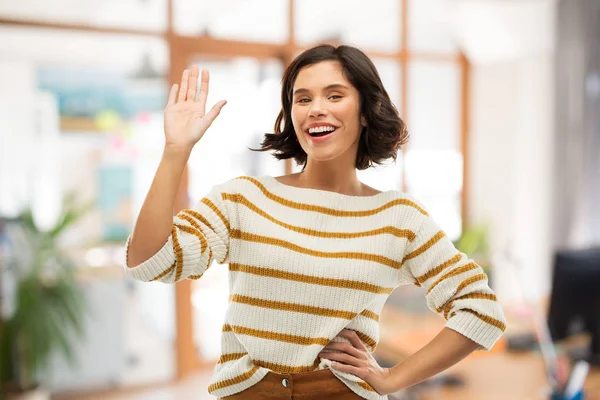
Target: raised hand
<point>185,118</point>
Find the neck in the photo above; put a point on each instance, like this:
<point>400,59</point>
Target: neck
<point>330,177</point>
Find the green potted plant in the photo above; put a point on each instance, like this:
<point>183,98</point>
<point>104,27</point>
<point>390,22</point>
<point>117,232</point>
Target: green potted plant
<point>49,305</point>
<point>475,244</point>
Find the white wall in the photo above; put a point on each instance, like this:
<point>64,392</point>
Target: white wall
<point>511,166</point>
<point>510,46</point>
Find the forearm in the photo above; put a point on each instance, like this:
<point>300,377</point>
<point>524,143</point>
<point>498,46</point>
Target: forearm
<point>445,350</point>
<point>154,223</point>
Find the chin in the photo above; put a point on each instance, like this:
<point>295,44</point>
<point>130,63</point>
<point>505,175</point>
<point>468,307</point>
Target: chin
<point>322,156</point>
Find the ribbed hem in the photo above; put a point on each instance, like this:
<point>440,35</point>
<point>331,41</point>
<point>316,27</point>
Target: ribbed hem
<point>348,379</point>
<point>480,332</point>
<point>234,389</point>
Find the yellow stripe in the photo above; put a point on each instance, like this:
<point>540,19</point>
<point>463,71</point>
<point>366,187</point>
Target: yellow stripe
<point>250,237</point>
<point>164,273</point>
<point>280,337</point>
<point>424,247</point>
<point>195,277</point>
<point>367,339</point>
<point>454,272</point>
<point>391,230</point>
<point>370,314</point>
<point>278,368</point>
<point>293,307</point>
<point>433,272</point>
<point>189,219</point>
<point>331,211</point>
<point>195,232</point>
<point>294,339</point>
<point>467,282</point>
<point>233,381</point>
<point>365,386</point>
<point>178,254</point>
<point>487,319</point>
<point>481,296</point>
<point>285,369</point>
<point>201,218</point>
<point>216,210</point>
<point>341,283</point>
<point>464,284</point>
<point>195,214</point>
<point>230,357</point>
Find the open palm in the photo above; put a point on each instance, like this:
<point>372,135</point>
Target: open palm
<point>186,119</point>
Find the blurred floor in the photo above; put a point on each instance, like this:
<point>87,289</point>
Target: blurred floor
<point>191,388</point>
<point>496,377</point>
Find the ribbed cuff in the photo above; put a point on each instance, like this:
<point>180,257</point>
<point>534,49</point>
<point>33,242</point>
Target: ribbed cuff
<point>471,326</point>
<point>152,267</point>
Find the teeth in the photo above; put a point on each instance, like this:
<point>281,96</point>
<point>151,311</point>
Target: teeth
<point>321,129</point>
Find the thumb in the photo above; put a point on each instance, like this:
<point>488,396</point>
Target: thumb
<point>215,111</point>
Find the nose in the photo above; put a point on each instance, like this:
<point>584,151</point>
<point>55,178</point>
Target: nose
<point>316,109</point>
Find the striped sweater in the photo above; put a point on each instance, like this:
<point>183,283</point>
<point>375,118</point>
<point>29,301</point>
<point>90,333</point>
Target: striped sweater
<point>305,264</point>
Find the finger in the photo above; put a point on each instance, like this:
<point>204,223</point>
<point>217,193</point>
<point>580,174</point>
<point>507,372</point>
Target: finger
<point>193,84</point>
<point>172,95</point>
<point>215,111</point>
<point>344,358</point>
<point>184,85</point>
<point>345,347</point>
<point>347,368</point>
<point>354,339</point>
<point>203,89</point>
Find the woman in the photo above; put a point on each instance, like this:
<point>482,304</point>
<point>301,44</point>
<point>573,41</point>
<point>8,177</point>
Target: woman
<point>312,256</point>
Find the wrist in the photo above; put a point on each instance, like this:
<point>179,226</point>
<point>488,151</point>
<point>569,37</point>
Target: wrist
<point>398,375</point>
<point>177,152</point>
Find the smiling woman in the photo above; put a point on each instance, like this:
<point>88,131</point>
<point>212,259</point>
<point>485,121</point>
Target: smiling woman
<point>312,256</point>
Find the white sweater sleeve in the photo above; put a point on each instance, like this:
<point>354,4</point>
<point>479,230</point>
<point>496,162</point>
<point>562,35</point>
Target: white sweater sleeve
<point>456,287</point>
<point>199,235</point>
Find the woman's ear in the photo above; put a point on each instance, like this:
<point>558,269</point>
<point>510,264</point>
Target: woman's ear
<point>363,121</point>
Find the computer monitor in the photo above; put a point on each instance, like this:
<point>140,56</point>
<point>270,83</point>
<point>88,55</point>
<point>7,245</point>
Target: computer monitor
<point>575,299</point>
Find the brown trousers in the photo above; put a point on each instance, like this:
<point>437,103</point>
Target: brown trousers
<point>314,385</point>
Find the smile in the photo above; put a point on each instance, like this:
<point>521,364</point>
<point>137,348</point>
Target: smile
<point>321,130</point>
<point>321,133</point>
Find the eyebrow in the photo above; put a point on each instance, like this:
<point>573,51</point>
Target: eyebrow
<point>333,86</point>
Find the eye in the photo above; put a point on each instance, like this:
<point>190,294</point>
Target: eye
<point>303,100</point>
<point>335,97</point>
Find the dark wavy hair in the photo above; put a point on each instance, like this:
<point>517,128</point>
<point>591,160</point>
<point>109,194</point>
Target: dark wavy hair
<point>385,131</point>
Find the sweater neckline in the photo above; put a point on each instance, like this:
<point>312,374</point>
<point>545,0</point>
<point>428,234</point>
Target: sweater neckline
<point>322,193</point>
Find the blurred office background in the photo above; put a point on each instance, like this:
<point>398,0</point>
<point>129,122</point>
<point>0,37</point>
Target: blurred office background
<point>502,102</point>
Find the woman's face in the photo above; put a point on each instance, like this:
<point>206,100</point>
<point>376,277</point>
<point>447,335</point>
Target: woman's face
<point>326,112</point>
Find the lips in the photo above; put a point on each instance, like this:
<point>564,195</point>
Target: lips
<point>320,136</point>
